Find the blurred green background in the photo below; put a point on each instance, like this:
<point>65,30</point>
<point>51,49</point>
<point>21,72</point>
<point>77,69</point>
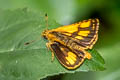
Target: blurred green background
<point>70,11</point>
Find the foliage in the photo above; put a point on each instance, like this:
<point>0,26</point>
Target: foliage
<point>33,61</point>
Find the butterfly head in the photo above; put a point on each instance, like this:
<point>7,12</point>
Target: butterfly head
<point>48,34</point>
<point>44,33</point>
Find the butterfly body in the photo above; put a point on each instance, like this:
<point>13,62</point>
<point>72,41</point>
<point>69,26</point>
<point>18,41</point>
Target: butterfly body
<point>69,43</point>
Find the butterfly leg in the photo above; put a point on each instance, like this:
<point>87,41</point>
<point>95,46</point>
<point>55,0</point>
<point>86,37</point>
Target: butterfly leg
<point>49,47</point>
<point>47,44</point>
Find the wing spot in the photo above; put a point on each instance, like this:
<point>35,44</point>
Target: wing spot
<point>93,20</point>
<point>67,62</point>
<point>72,54</point>
<point>79,37</point>
<point>83,33</point>
<point>85,24</point>
<point>93,26</point>
<point>97,20</point>
<point>71,58</point>
<point>69,28</point>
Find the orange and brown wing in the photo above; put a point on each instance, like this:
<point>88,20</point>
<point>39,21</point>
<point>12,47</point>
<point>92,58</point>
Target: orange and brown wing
<point>89,34</point>
<point>66,57</point>
<point>84,33</point>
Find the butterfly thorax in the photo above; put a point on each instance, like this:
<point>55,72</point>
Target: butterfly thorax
<point>52,37</point>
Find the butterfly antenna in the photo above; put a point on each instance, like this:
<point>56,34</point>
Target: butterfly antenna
<point>46,19</point>
<point>27,43</point>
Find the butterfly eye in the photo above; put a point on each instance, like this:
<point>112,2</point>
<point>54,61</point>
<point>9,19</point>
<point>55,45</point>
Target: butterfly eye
<point>45,37</point>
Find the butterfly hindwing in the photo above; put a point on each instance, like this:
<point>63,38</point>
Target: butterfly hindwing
<point>67,57</point>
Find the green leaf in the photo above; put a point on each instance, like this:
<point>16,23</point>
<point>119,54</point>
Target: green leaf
<point>33,61</point>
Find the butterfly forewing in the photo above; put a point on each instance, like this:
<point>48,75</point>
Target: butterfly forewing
<point>85,33</point>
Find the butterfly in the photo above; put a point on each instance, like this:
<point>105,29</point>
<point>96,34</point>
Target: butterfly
<point>70,43</point>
